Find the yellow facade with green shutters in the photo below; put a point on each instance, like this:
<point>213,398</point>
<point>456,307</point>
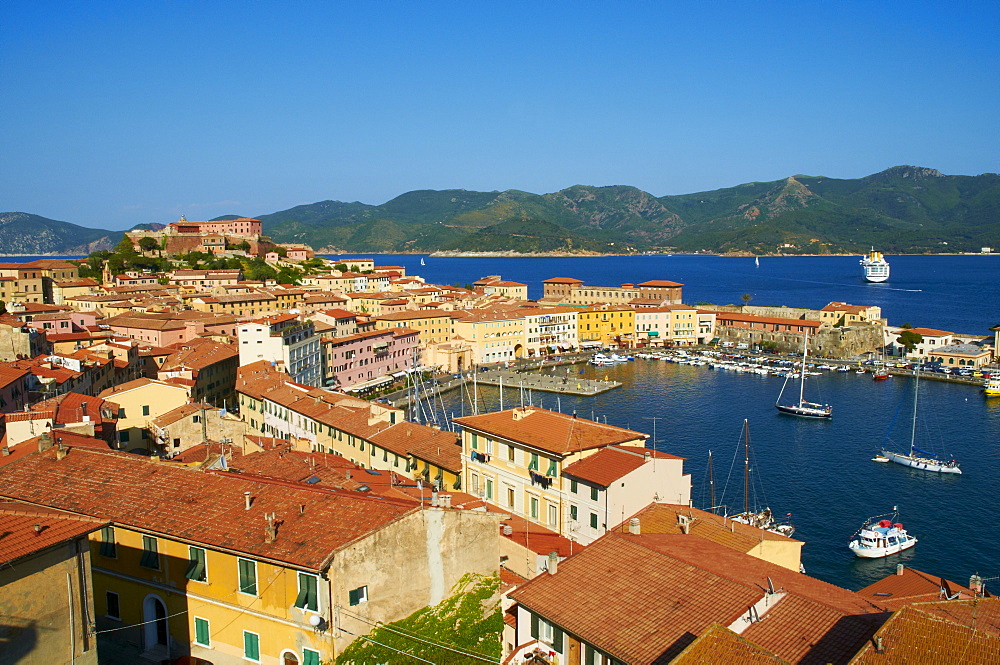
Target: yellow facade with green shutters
<point>609,327</point>
<point>208,610</point>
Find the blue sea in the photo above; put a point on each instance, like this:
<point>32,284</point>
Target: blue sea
<point>820,472</point>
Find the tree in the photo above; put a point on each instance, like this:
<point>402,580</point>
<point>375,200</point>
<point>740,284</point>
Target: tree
<point>125,247</point>
<point>746,298</point>
<point>148,243</point>
<point>341,267</point>
<point>909,339</point>
<point>243,246</point>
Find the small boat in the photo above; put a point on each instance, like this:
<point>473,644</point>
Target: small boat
<point>916,457</point>
<point>879,538</point>
<point>880,374</point>
<point>992,387</point>
<point>803,408</point>
<point>761,518</point>
<point>876,268</point>
<point>756,261</point>
<point>422,261</point>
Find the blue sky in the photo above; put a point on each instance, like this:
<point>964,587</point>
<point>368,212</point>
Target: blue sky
<point>117,113</point>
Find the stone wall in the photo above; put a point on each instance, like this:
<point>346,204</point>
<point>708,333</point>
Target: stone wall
<point>846,342</point>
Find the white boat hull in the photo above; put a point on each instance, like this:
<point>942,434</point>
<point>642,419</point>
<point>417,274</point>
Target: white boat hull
<point>880,552</point>
<point>922,463</point>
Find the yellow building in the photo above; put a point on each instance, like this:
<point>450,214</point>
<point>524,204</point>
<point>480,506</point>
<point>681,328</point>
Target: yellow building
<point>493,335</point>
<point>530,462</point>
<point>670,325</point>
<point>434,325</point>
<point>141,401</point>
<point>234,570</point>
<point>608,326</point>
<point>842,314</point>
<point>370,434</point>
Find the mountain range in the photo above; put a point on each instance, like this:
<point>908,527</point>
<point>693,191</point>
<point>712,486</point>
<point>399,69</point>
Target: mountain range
<point>904,209</point>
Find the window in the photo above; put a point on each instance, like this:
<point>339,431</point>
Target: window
<point>306,600</point>
<point>475,441</point>
<point>510,453</point>
<point>533,465</point>
<point>595,494</point>
<point>108,542</point>
<point>145,410</point>
<point>573,487</point>
<point>113,608</point>
<point>489,488</point>
<point>196,565</point>
<point>358,596</point>
<point>553,515</point>
<point>574,513</point>
<point>251,646</point>
<point>534,507</point>
<point>248,576</point>
<point>510,497</point>
<point>201,634</point>
<point>150,557</point>
<point>593,520</point>
<point>123,436</point>
<point>552,469</point>
<point>310,657</point>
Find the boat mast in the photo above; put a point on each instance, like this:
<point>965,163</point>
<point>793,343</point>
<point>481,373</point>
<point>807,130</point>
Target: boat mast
<point>711,483</point>
<point>802,374</point>
<point>746,466</point>
<point>916,388</point>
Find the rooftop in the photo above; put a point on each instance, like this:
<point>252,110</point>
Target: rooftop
<point>26,529</point>
<point>613,463</point>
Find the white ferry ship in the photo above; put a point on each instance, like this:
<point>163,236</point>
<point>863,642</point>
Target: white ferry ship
<point>876,267</point>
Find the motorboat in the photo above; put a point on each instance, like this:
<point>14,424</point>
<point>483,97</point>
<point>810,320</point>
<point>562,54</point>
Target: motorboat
<point>879,538</point>
<point>992,387</point>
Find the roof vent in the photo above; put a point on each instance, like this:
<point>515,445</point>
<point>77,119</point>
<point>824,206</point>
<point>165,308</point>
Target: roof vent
<point>247,500</point>
<point>271,531</point>
<point>633,526</point>
<point>553,563</point>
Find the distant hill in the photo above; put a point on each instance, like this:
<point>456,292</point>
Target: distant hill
<point>904,209</point>
<point>23,233</point>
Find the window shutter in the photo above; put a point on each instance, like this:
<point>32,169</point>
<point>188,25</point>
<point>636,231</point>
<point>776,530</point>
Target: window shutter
<point>196,568</point>
<point>534,626</point>
<point>588,655</point>
<point>355,596</point>
<point>557,639</point>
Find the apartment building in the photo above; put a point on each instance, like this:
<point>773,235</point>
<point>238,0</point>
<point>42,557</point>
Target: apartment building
<point>282,338</point>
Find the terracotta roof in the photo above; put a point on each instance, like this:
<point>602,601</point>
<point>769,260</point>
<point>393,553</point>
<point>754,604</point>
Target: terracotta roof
<point>918,634</point>
<point>198,354</point>
<point>9,375</point>
<point>201,507</point>
<point>614,595</point>
<point>660,283</point>
<point>339,313</point>
<point>549,431</point>
<point>928,332</point>
<point>67,408</point>
<point>911,586</point>
<point>721,317</point>
<point>612,463</point>
<point>439,447</point>
<point>131,385</point>
<point>718,644</point>
<point>562,280</point>
<point>26,529</point>
<point>663,518</point>
<point>414,314</point>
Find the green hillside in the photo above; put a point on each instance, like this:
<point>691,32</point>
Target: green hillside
<point>23,233</point>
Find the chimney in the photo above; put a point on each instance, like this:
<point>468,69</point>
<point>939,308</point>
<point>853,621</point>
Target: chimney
<point>248,501</point>
<point>899,569</point>
<point>38,529</point>
<point>879,648</point>
<point>62,451</point>
<point>271,531</point>
<point>633,526</point>
<point>553,563</point>
<point>434,499</point>
<point>445,500</point>
<point>44,442</point>
<point>976,584</point>
<point>347,474</point>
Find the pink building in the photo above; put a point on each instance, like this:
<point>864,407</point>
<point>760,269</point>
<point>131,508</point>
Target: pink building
<point>369,359</point>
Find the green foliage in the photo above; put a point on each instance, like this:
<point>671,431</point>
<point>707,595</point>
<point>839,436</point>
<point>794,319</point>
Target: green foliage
<point>341,267</point>
<point>909,339</point>
<point>468,621</point>
<point>148,243</point>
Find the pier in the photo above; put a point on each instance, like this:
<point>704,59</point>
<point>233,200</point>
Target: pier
<point>563,383</point>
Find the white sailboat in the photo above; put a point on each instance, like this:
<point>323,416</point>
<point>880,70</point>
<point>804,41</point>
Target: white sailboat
<point>756,261</point>
<point>917,458</point>
<point>762,518</point>
<point>422,261</point>
<point>879,538</point>
<point>803,408</point>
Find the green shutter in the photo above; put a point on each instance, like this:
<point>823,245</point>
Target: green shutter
<point>588,655</point>
<point>593,520</point>
<point>557,639</point>
<point>475,442</point>
<point>251,646</point>
<point>573,486</point>
<point>150,559</point>
<point>573,514</point>
<point>196,565</point>
<point>534,626</point>
<point>306,600</point>
<point>595,494</point>
<point>108,542</point>
<point>355,596</point>
<point>201,635</point>
<point>248,577</point>
<point>552,469</point>
<point>533,466</point>
<point>310,657</point>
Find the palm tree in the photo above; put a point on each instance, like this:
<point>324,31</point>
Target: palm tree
<point>746,298</point>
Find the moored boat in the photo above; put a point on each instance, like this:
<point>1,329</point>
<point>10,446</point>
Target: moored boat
<point>761,518</point>
<point>992,387</point>
<point>803,408</point>
<point>879,538</point>
<point>917,458</point>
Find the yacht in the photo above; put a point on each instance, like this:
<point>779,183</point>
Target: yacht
<point>881,538</point>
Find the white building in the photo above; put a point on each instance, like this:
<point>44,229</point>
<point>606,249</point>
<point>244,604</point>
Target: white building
<point>283,339</point>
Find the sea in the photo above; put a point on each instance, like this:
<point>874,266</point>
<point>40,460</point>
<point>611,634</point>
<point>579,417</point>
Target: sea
<point>817,474</point>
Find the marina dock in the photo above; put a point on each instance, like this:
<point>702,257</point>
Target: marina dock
<point>566,384</point>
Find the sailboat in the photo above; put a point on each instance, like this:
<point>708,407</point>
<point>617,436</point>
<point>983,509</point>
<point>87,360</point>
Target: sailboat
<point>917,458</point>
<point>803,408</point>
<point>422,261</point>
<point>762,518</point>
<point>756,261</point>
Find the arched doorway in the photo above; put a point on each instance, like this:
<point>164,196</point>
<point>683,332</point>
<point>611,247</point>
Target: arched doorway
<point>518,351</point>
<point>289,658</point>
<point>154,618</point>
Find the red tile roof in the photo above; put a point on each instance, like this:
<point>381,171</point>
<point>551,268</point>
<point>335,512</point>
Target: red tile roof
<point>910,587</point>
<point>549,431</point>
<point>562,280</point>
<point>718,644</point>
<point>610,464</point>
<point>9,375</point>
<point>25,529</point>
<point>201,507</point>
<point>930,332</point>
<point>660,283</point>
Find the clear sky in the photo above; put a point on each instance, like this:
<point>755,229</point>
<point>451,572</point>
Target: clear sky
<point>117,113</point>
